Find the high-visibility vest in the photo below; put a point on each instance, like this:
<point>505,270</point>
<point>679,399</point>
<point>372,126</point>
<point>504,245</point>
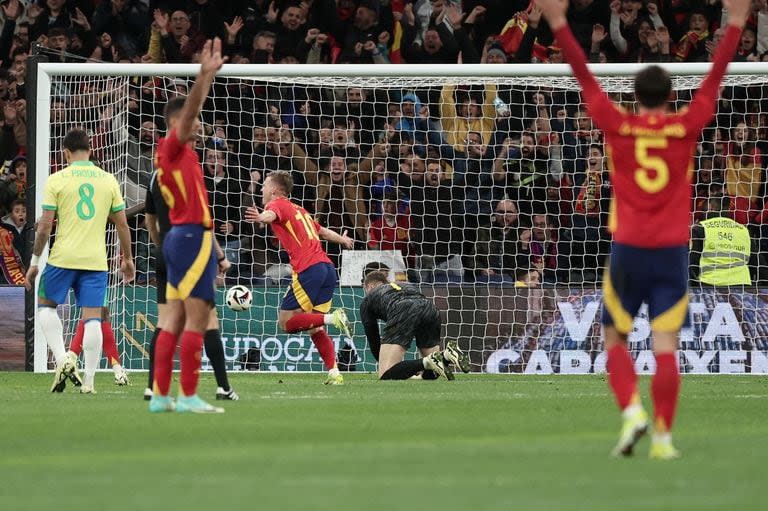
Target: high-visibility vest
<point>726,253</point>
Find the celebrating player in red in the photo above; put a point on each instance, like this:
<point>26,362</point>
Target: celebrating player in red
<point>308,300</point>
<point>650,219</point>
<point>190,249</point>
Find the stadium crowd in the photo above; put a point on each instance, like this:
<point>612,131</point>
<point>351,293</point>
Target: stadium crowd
<point>471,183</point>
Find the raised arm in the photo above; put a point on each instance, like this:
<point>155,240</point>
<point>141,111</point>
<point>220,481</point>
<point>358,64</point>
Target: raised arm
<point>253,215</point>
<point>42,236</point>
<point>704,102</point>
<point>601,109</point>
<point>334,237</point>
<point>210,62</point>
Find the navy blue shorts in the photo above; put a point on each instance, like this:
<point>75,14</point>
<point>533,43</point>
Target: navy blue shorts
<point>90,286</point>
<point>657,276</point>
<point>190,262</point>
<point>312,289</point>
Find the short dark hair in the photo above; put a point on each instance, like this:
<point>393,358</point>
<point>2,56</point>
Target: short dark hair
<point>652,86</point>
<point>173,107</point>
<point>77,139</point>
<point>283,179</point>
<point>375,277</point>
<point>374,266</point>
<point>18,202</point>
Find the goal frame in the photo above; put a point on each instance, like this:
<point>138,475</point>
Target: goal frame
<point>40,76</point>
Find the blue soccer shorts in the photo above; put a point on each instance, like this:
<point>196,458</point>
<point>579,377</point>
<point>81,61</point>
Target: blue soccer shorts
<point>656,276</point>
<point>190,261</point>
<point>90,287</point>
<point>312,289</point>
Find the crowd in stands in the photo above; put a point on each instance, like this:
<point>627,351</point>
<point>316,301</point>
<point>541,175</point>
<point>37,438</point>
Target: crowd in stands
<point>471,184</point>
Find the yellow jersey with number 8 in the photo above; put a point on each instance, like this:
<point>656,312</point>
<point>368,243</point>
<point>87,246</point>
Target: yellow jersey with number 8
<point>83,196</point>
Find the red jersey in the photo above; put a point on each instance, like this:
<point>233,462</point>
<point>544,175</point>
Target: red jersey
<point>390,237</point>
<point>297,232</point>
<point>180,177</point>
<point>651,156</point>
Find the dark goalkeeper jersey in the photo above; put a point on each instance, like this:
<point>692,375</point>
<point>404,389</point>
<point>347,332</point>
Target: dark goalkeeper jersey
<point>397,305</point>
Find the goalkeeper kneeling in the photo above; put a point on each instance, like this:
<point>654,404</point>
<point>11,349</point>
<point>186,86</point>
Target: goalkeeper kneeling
<point>407,315</point>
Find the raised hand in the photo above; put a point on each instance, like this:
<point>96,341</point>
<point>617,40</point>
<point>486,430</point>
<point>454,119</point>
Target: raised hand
<point>272,13</point>
<point>615,7</point>
<point>161,20</point>
<point>312,34</point>
<point>234,28</point>
<point>454,15</point>
<point>534,16</point>
<point>211,59</point>
<point>369,46</point>
<point>81,20</point>
<point>478,11</point>
<point>662,34</point>
<point>598,33</point>
<point>653,9</point>
<point>12,10</point>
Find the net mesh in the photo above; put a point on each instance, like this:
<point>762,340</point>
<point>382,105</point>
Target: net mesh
<point>491,193</point>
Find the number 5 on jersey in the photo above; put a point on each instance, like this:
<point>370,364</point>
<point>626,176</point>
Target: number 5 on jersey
<point>647,163</point>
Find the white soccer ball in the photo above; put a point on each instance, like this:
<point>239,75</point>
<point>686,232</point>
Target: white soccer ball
<point>239,298</point>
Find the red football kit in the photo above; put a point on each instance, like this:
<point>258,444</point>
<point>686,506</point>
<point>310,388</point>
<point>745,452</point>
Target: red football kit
<point>181,182</point>
<point>296,231</point>
<point>651,156</point>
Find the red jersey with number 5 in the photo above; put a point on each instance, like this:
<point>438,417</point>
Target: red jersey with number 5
<point>297,232</point>
<point>180,177</point>
<point>650,156</point>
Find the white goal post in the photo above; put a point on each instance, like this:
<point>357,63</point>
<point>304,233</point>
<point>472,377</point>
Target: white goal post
<point>453,241</point>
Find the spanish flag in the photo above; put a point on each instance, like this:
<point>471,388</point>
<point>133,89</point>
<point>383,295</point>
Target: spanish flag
<point>512,34</point>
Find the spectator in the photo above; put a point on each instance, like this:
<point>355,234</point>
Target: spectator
<point>16,223</point>
<point>222,181</point>
<point>522,175</point>
<point>501,254</point>
<point>14,183</point>
<point>178,42</point>
<point>126,21</point>
<point>263,47</point>
<point>390,231</point>
<point>462,112</point>
<point>589,231</point>
<point>692,46</point>
<point>289,26</point>
<point>744,173</point>
<point>340,205</point>
<point>540,245</point>
<point>44,18</point>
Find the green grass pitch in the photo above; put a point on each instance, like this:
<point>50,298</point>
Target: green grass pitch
<point>479,443</point>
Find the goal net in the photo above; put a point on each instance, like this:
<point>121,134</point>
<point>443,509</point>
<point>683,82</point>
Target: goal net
<point>489,191</point>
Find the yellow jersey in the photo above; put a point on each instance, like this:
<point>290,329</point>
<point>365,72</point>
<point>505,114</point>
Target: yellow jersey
<point>83,196</point>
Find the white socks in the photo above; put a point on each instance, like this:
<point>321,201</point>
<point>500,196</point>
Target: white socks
<point>632,410</point>
<point>334,372</point>
<point>328,319</point>
<point>91,349</point>
<point>53,331</point>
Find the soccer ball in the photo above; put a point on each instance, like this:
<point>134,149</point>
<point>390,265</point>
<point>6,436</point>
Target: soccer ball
<point>239,298</point>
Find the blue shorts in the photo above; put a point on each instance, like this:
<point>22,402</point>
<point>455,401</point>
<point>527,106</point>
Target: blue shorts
<point>190,262</point>
<point>90,286</point>
<point>658,277</point>
<point>312,289</point>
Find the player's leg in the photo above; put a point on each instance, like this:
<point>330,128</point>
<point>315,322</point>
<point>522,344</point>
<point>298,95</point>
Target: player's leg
<point>214,350</point>
<point>161,282</point>
<point>306,306</point>
<point>624,290</point>
<point>109,348</point>
<point>310,295</point>
<point>668,312</point>
<point>52,290</point>
<point>393,367</point>
<point>90,292</point>
<point>197,291</point>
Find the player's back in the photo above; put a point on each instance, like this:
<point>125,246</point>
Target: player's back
<point>83,196</point>
<point>386,300</point>
<point>180,178</point>
<point>298,234</point>
<point>651,161</point>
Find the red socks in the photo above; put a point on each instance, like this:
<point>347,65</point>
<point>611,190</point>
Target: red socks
<point>76,346</point>
<point>108,345</point>
<point>164,349</point>
<point>191,354</point>
<point>665,388</point>
<point>304,321</point>
<point>621,375</point>
<point>324,346</point>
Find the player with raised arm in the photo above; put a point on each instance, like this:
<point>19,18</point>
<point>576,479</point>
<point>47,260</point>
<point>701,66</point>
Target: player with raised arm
<point>650,219</point>
<point>158,224</point>
<point>408,315</point>
<point>190,250</point>
<point>307,303</point>
<point>83,198</point>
